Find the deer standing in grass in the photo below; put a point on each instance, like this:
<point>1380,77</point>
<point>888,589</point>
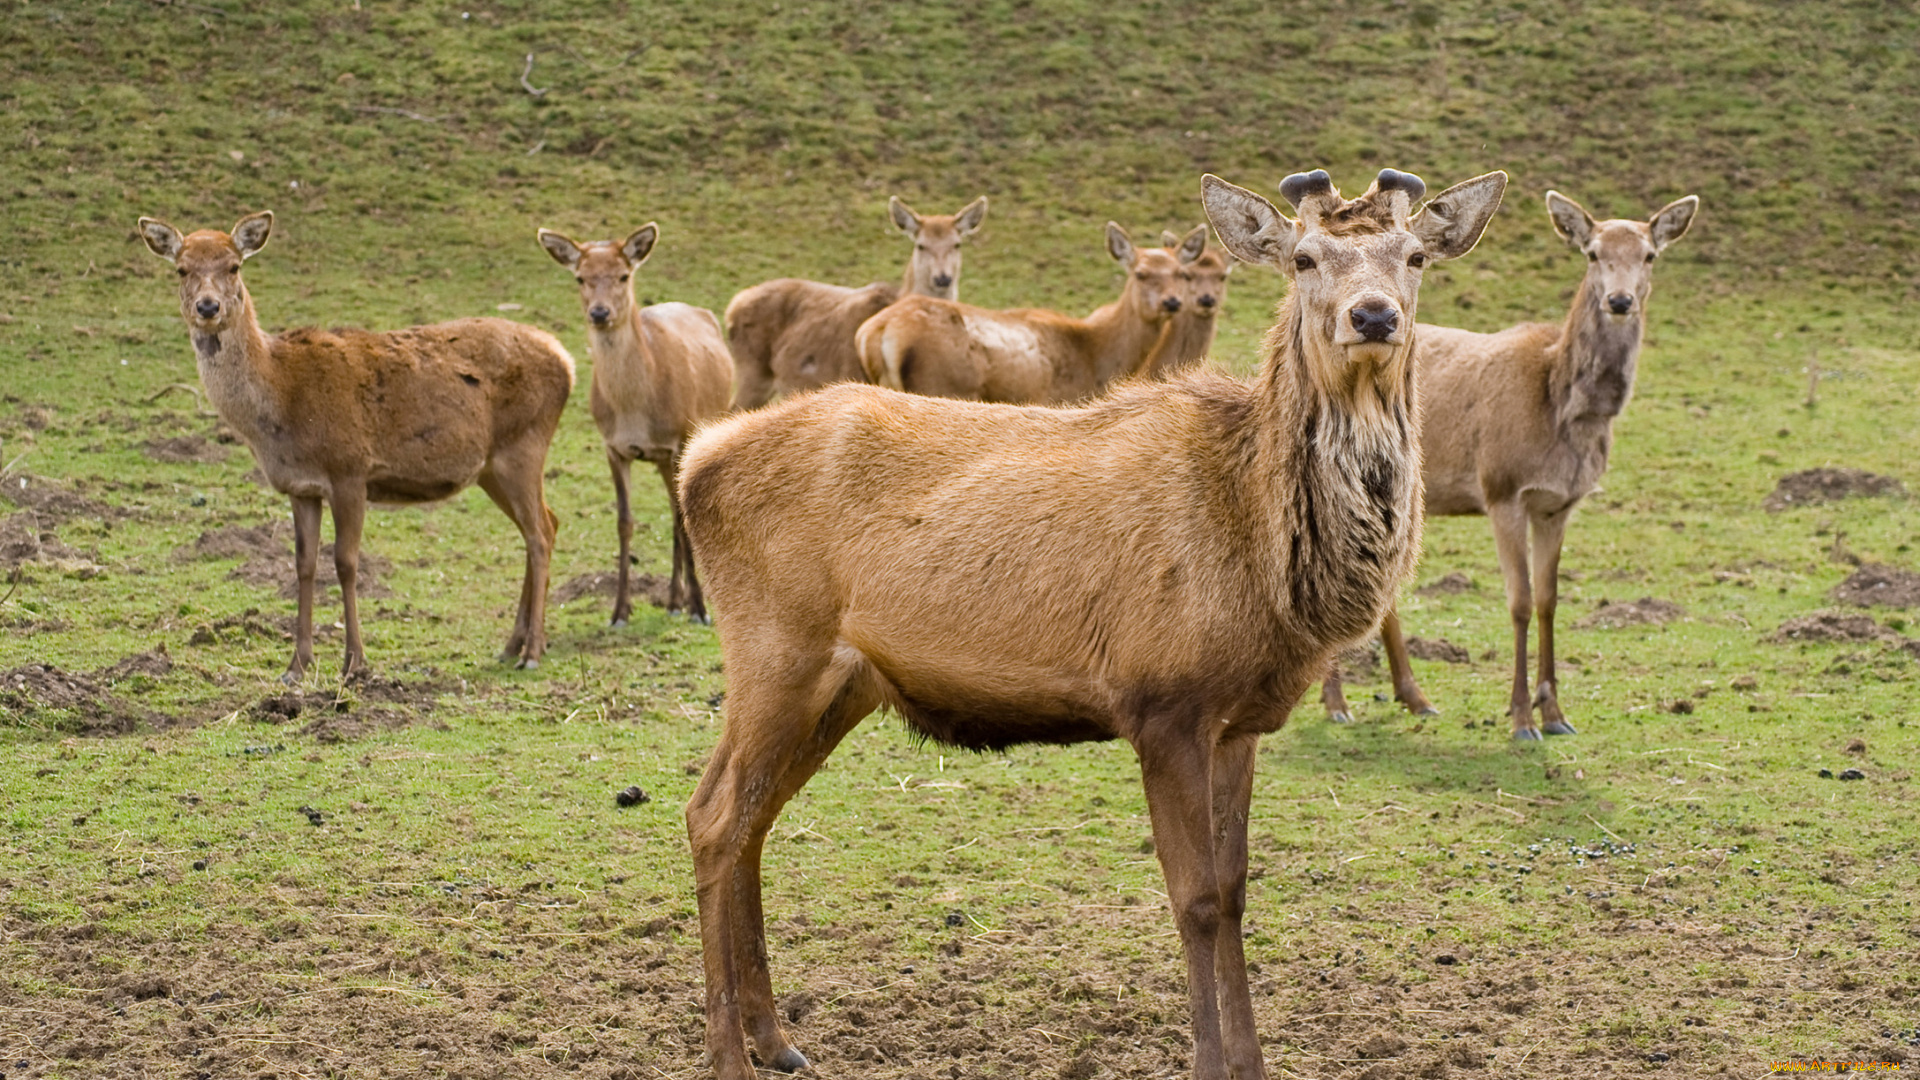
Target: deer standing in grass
<point>943,348</point>
<point>1171,565</point>
<point>348,417</point>
<point>790,334</point>
<point>1190,340</point>
<point>658,372</point>
<point>1520,424</point>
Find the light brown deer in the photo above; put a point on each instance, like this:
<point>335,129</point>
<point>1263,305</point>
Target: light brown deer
<point>348,417</point>
<point>790,335</point>
<point>1171,565</point>
<point>1190,340</point>
<point>943,348</point>
<point>1519,427</point>
<point>658,372</point>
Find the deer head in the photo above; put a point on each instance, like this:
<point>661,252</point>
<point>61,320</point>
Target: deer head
<point>1355,264</point>
<point>935,268</point>
<point>1206,269</point>
<point>212,296</point>
<point>1620,251</point>
<point>1157,283</point>
<point>604,271</point>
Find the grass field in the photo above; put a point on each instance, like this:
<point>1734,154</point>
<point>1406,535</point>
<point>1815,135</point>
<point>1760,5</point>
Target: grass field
<point>205,874</point>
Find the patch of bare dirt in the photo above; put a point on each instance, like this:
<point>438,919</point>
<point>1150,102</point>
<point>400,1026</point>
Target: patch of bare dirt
<point>52,502</point>
<point>269,538</point>
<point>1879,585</point>
<point>151,664</point>
<point>1438,649</point>
<point>276,572</point>
<point>341,715</point>
<point>184,450</point>
<point>651,588</point>
<point>1615,614</point>
<point>1360,661</point>
<point>1452,583</point>
<point>69,701</point>
<point>1833,626</point>
<point>246,624</point>
<point>1823,485</point>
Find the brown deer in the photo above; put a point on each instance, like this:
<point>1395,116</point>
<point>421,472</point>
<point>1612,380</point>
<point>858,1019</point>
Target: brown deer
<point>1521,423</point>
<point>1191,338</point>
<point>789,334</point>
<point>943,348</point>
<point>348,417</point>
<point>1171,565</point>
<point>658,372</point>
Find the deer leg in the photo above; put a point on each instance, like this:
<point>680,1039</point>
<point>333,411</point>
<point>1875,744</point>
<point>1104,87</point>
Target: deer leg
<point>349,515</point>
<point>1333,695</point>
<point>306,563</point>
<point>780,726</point>
<point>1175,768</point>
<point>1404,688</point>
<point>1233,761</point>
<point>1510,541</point>
<point>752,386</point>
<point>512,480</point>
<point>686,580</point>
<point>1548,534</point>
<point>623,512</point>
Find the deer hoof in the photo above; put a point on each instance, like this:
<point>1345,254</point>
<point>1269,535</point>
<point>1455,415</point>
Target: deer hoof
<point>1526,734</point>
<point>618,622</point>
<point>1558,727</point>
<point>290,677</point>
<point>788,1061</point>
<point>1340,716</point>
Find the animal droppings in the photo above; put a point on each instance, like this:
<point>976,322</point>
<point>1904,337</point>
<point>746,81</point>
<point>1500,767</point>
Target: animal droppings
<point>632,796</point>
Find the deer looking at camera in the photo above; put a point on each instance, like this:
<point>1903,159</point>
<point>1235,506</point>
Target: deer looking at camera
<point>348,417</point>
<point>1190,339</point>
<point>1520,426</point>
<point>659,371</point>
<point>942,348</point>
<point>1171,565</point>
<point>790,335</point>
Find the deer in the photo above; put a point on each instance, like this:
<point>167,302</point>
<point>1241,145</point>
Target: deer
<point>1171,565</point>
<point>790,335</point>
<point>1520,427</point>
<point>1191,339</point>
<point>659,371</point>
<point>945,348</point>
<point>347,417</point>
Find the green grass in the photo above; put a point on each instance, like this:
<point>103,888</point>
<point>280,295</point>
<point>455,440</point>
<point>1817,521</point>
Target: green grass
<point>472,903</point>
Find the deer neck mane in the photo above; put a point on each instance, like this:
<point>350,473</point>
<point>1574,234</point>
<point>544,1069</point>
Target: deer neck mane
<point>1340,476</point>
<point>237,367</point>
<point>1593,375</point>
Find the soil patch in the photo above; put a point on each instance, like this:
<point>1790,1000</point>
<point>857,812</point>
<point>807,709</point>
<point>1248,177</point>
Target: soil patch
<point>1360,661</point>
<point>69,701</point>
<point>1822,485</point>
<point>276,572</point>
<point>1877,584</point>
<point>22,540</point>
<point>1438,649</point>
<point>649,587</point>
<point>52,502</point>
<point>1451,584</point>
<point>152,664</point>
<point>271,539</point>
<point>184,450</point>
<point>1833,626</point>
<point>341,715</point>
<point>1646,611</point>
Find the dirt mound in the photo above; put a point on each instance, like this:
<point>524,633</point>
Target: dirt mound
<point>1833,626</point>
<point>1360,661</point>
<point>153,663</point>
<point>1646,611</point>
<point>184,450</point>
<point>339,715</point>
<point>1438,649</point>
<point>649,587</point>
<point>1823,485</point>
<point>1452,583</point>
<point>68,701</point>
<point>276,572</point>
<point>52,502</point>
<point>1877,584</point>
<point>22,540</point>
<point>271,539</point>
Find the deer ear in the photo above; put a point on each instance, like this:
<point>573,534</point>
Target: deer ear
<point>1250,228</point>
<point>1193,245</point>
<point>1452,222</point>
<point>162,239</point>
<point>1570,219</point>
<point>1119,244</point>
<point>638,246</point>
<point>904,218</point>
<point>1671,222</point>
<point>250,233</point>
<point>969,220</point>
<point>564,250</point>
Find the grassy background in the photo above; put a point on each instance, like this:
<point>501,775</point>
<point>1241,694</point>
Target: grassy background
<point>471,903</point>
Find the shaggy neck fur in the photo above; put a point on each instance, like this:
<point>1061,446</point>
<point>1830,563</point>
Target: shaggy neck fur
<point>1341,468</point>
<point>1593,375</point>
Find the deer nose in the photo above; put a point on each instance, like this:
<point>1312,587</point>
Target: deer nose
<point>1207,300</point>
<point>207,307</point>
<point>1375,321</point>
<point>599,313</point>
<point>941,281</point>
<point>1620,303</point>
<point>1171,303</point>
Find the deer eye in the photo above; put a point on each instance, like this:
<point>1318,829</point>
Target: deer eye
<point>1593,256</point>
<point>234,269</point>
<point>624,277</point>
<point>1303,262</point>
<point>579,279</point>
<point>1649,256</point>
<point>182,271</point>
<point>1417,260</point>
